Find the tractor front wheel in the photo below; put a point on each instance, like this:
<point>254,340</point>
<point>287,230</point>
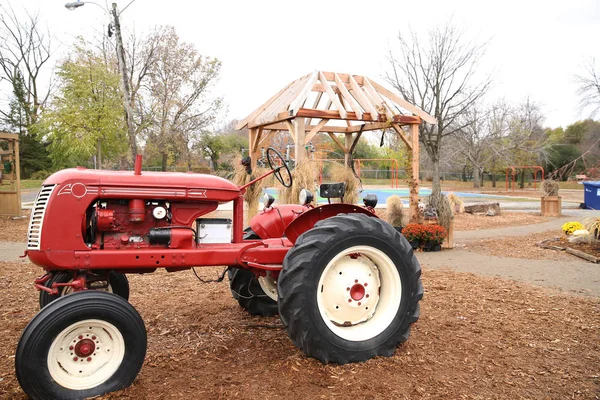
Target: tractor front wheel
<point>349,289</point>
<point>82,345</point>
<point>117,284</point>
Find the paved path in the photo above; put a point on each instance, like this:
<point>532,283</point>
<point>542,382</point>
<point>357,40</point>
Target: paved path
<point>10,251</point>
<point>575,275</point>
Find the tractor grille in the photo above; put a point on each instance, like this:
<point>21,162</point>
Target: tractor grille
<point>34,233</point>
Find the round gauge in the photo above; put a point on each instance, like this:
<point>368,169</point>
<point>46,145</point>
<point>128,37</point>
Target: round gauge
<point>159,212</point>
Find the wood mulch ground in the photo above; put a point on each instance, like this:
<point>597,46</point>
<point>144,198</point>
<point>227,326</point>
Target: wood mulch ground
<point>14,229</point>
<point>469,222</point>
<point>477,338</point>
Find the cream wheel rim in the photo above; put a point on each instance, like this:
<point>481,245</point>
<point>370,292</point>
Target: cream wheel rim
<point>86,354</point>
<point>269,285</point>
<point>359,293</point>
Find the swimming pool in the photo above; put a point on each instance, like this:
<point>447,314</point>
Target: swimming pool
<point>383,194</point>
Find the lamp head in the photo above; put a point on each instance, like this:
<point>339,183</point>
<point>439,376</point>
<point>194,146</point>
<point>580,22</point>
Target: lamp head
<point>268,200</point>
<point>305,197</point>
<point>73,5</point>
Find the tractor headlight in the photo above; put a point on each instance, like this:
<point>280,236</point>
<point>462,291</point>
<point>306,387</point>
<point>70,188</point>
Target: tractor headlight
<point>268,200</point>
<point>305,197</point>
<point>370,200</point>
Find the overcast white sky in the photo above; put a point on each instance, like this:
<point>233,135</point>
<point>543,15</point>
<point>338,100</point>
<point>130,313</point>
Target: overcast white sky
<point>535,46</point>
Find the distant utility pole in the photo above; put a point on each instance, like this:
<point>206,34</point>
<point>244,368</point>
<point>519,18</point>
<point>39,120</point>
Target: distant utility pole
<point>124,82</point>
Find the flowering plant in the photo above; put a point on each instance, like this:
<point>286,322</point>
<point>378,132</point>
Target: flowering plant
<point>570,227</point>
<point>413,232</point>
<point>433,234</point>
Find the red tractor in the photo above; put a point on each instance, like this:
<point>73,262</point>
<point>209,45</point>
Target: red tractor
<point>345,284</point>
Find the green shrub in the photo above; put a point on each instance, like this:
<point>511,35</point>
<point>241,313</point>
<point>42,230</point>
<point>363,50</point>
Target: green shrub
<point>40,175</point>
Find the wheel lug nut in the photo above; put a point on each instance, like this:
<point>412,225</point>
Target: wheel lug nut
<point>356,281</point>
<point>75,359</point>
<point>349,300</point>
<point>93,337</point>
<point>71,347</point>
<point>367,295</point>
<point>89,359</point>
<point>359,303</point>
<point>348,289</point>
<point>366,284</point>
<point>80,336</point>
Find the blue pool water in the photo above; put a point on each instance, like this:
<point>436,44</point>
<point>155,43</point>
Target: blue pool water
<point>383,194</point>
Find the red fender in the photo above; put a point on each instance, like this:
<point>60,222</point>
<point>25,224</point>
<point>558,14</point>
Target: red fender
<point>271,222</point>
<point>309,218</point>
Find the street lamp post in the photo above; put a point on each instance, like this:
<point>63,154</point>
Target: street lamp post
<point>122,71</point>
<point>124,83</point>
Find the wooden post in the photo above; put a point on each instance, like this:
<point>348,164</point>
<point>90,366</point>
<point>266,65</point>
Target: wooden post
<point>348,143</point>
<point>414,181</point>
<point>253,146</point>
<point>299,134</point>
<point>17,177</point>
<point>10,200</point>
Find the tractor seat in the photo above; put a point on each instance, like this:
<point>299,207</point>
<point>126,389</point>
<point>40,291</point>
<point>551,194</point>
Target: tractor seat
<point>332,190</point>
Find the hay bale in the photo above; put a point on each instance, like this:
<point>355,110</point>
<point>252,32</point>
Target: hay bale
<point>304,176</point>
<point>443,209</point>
<point>339,173</point>
<point>253,192</point>
<point>458,206</point>
<point>394,211</point>
<point>550,187</point>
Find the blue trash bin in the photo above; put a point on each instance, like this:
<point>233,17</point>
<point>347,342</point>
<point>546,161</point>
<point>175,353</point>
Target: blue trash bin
<point>591,195</point>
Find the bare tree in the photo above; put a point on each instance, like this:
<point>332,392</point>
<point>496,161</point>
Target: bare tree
<point>24,53</point>
<point>589,88</point>
<point>180,81</point>
<point>438,74</point>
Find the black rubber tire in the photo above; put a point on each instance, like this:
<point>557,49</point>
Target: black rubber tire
<point>243,282</point>
<point>249,294</point>
<point>118,283</point>
<point>249,234</point>
<point>31,356</point>
<point>299,279</point>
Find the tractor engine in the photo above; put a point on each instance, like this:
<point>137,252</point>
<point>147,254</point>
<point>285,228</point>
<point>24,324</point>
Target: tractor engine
<point>135,224</point>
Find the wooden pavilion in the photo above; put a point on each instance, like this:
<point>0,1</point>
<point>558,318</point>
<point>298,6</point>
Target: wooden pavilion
<point>352,105</point>
<point>10,178</point>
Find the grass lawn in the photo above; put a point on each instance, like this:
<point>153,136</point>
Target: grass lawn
<point>31,183</point>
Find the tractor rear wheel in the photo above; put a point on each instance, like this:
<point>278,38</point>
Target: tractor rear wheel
<point>82,345</point>
<point>256,295</point>
<point>349,289</point>
<point>118,284</point>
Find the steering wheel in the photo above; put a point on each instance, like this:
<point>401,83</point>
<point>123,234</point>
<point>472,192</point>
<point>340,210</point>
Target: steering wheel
<point>277,170</point>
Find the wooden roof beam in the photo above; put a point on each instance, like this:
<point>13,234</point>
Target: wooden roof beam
<point>282,116</point>
<point>378,100</point>
<point>332,95</point>
<point>359,95</point>
<point>404,104</point>
<point>326,128</point>
<point>314,130</point>
<point>333,114</point>
<point>262,108</point>
<point>344,77</point>
<point>337,141</point>
<point>402,135</point>
<point>347,96</point>
<point>299,101</point>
